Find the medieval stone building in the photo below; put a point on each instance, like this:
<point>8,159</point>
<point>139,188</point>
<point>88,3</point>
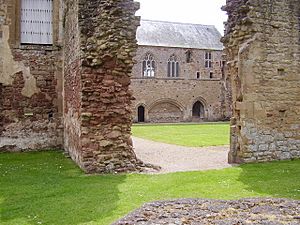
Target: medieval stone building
<point>178,73</point>
<point>65,70</point>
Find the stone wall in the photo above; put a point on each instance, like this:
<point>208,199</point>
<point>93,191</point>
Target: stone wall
<point>30,89</point>
<point>72,81</point>
<point>171,99</point>
<point>262,46</point>
<point>97,99</point>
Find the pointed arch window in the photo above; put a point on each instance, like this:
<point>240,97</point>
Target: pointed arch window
<point>148,66</point>
<point>173,67</point>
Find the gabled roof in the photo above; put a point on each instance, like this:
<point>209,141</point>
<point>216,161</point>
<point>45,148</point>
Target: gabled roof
<point>181,35</point>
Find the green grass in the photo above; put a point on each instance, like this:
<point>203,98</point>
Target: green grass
<point>192,135</point>
<point>47,188</point>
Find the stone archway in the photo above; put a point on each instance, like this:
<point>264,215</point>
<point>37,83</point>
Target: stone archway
<point>198,110</point>
<point>165,110</point>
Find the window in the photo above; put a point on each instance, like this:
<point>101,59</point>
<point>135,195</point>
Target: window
<point>208,60</point>
<point>173,67</point>
<point>148,66</point>
<point>198,75</point>
<point>36,21</point>
<point>211,75</point>
<point>188,55</point>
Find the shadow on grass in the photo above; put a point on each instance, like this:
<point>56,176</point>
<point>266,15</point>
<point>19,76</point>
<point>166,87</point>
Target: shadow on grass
<point>46,188</point>
<point>274,179</point>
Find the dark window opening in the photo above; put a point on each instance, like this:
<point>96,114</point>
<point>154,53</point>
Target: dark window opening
<point>198,75</point>
<point>188,56</point>
<point>211,75</point>
<point>50,115</point>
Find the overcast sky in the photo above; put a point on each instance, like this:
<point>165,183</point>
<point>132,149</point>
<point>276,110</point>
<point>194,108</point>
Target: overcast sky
<point>206,12</point>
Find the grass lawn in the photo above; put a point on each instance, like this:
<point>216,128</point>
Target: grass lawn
<point>192,135</point>
<point>47,188</point>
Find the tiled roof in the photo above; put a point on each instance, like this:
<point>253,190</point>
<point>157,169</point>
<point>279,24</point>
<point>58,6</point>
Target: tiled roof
<point>182,35</point>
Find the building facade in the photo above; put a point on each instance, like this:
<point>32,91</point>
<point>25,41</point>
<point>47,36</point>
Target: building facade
<point>178,75</point>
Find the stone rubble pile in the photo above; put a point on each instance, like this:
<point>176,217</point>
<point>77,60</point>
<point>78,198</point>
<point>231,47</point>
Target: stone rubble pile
<point>221,212</point>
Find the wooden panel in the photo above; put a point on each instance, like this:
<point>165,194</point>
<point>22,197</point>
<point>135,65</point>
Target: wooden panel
<point>36,21</point>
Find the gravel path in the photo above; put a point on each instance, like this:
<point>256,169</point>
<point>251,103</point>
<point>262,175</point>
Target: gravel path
<point>174,158</point>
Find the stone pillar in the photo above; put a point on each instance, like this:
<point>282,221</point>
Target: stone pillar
<point>100,43</point>
<point>263,52</point>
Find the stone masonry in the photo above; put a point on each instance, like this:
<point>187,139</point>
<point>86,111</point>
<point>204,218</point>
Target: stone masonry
<point>262,43</point>
<point>171,99</point>
<point>99,48</point>
<point>30,86</point>
<point>79,98</point>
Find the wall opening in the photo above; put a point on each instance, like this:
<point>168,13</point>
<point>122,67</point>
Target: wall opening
<point>198,110</point>
<point>141,114</point>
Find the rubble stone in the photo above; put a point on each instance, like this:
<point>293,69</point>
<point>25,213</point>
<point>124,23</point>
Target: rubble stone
<point>263,66</point>
<point>221,212</point>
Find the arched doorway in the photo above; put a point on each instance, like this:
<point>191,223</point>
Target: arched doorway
<point>198,110</point>
<point>141,114</point>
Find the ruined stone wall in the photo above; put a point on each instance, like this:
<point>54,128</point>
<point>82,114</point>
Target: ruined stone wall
<point>72,81</point>
<point>262,43</point>
<point>30,83</point>
<point>171,99</point>
<point>97,103</point>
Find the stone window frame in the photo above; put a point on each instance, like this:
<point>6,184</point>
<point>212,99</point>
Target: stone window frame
<point>208,58</point>
<point>148,65</point>
<point>15,26</point>
<point>173,67</point>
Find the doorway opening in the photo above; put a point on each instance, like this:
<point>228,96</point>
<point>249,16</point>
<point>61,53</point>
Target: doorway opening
<point>141,114</point>
<point>198,110</point>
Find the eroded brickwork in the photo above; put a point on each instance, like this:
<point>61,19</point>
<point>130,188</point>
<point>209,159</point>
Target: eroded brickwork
<point>262,46</point>
<point>97,99</point>
<point>30,87</point>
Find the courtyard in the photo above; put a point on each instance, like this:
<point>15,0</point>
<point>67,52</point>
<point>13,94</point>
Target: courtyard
<point>183,147</point>
<point>48,188</point>
<point>65,85</point>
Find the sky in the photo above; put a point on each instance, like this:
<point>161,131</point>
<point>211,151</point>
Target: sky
<point>205,12</point>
